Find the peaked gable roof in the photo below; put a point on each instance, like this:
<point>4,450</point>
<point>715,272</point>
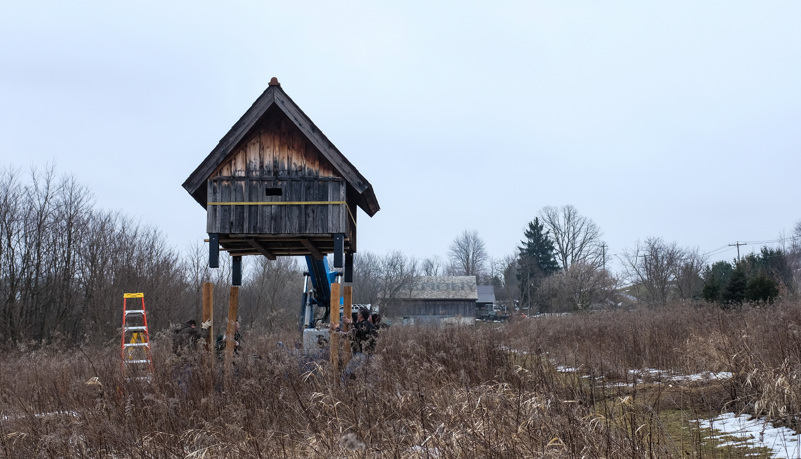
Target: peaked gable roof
<point>274,96</point>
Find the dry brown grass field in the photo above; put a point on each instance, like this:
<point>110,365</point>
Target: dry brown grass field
<point>484,391</point>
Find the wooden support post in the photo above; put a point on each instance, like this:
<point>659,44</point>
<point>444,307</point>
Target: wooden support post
<point>334,321</point>
<point>208,312</point>
<point>347,312</point>
<point>230,332</point>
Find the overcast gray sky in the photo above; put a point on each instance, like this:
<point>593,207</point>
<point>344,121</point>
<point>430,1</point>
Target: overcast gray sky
<point>680,119</point>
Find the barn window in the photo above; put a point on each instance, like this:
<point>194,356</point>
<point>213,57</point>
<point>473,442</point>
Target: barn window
<point>273,191</point>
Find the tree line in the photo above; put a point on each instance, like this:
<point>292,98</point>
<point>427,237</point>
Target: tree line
<point>64,266</point>
<point>561,265</point>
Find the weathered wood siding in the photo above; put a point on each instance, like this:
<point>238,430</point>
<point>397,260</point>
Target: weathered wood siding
<point>276,163</point>
<point>420,308</point>
<point>276,148</point>
<point>280,218</point>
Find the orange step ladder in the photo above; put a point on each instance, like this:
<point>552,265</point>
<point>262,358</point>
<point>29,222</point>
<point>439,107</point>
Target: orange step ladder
<point>136,359</point>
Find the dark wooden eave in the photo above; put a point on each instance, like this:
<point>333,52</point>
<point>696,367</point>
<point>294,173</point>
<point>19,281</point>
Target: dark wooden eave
<point>272,246</point>
<point>195,184</point>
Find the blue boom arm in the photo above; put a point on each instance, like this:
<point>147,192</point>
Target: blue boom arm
<point>321,277</point>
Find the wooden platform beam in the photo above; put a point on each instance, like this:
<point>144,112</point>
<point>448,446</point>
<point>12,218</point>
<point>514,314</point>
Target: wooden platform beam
<point>259,246</point>
<point>311,248</point>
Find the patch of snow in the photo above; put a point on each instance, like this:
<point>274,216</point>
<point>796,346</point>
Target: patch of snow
<point>422,450</point>
<point>514,351</point>
<point>708,376</point>
<point>564,369</point>
<point>664,375</point>
<point>11,417</point>
<point>657,375</point>
<point>754,432</point>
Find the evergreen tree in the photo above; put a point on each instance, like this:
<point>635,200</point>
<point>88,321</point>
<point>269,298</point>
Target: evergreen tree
<point>735,289</point>
<point>716,278</point>
<point>776,264</point>
<point>762,289</point>
<point>711,291</point>
<point>536,260</point>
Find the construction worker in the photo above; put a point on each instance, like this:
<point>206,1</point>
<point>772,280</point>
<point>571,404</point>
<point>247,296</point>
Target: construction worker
<point>363,334</point>
<point>187,335</point>
<point>222,340</point>
<point>184,344</point>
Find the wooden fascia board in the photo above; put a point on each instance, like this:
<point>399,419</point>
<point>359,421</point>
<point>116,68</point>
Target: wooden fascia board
<point>195,183</point>
<point>366,200</point>
<point>368,203</point>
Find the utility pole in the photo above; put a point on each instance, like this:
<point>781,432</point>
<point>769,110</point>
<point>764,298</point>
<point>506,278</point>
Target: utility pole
<point>603,254</point>
<point>644,263</point>
<point>738,244</point>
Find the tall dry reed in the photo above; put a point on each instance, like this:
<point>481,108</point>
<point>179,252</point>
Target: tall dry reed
<point>426,392</point>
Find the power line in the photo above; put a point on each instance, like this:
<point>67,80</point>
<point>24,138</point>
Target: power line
<point>722,249</point>
<point>726,248</point>
<point>738,244</point>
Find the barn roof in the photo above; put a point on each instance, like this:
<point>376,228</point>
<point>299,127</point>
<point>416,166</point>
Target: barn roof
<point>274,96</point>
<point>441,287</point>
<point>486,294</point>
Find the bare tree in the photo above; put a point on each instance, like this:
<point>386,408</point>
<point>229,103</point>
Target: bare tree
<point>38,223</point>
<point>271,294</point>
<point>433,266</point>
<point>797,233</point>
<point>688,274</point>
<point>377,278</point>
<point>11,205</point>
<point>577,288</point>
<point>468,254</point>
<point>366,278</point>
<point>577,239</point>
<point>196,265</point>
<point>63,265</point>
<point>71,214</point>
<point>504,280</point>
<point>397,273</point>
<point>652,266</point>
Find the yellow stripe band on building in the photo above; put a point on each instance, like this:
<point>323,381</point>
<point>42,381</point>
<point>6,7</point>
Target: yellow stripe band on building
<point>285,203</point>
<point>276,203</point>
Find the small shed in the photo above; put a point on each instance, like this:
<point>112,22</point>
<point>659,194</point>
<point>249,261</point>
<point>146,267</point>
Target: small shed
<point>434,299</point>
<point>276,186</point>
